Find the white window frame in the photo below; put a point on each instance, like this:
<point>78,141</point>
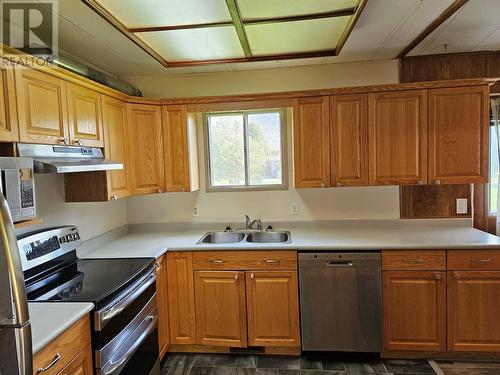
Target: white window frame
<point>284,152</point>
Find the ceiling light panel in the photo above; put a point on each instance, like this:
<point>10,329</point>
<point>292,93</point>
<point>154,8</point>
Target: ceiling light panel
<point>154,13</point>
<point>299,36</point>
<point>195,44</point>
<point>279,8</point>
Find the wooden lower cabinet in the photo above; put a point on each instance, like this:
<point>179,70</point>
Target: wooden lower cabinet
<point>473,310</point>
<point>414,306</point>
<point>81,364</point>
<point>181,304</point>
<point>162,302</point>
<point>273,308</point>
<point>220,308</point>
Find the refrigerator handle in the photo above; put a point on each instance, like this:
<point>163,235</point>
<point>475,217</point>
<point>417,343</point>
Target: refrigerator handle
<point>25,350</point>
<point>8,241</point>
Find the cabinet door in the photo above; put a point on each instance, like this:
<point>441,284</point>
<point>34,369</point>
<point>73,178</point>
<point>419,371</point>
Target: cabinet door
<point>161,299</point>
<point>473,308</point>
<point>114,114</point>
<point>459,135</point>
<point>180,143</point>
<point>349,140</point>
<point>220,308</point>
<point>414,310</point>
<point>311,142</point>
<point>180,293</point>
<point>81,364</point>
<point>397,133</point>
<point>41,103</point>
<point>146,145</point>
<point>273,308</point>
<point>9,128</point>
<point>84,115</point>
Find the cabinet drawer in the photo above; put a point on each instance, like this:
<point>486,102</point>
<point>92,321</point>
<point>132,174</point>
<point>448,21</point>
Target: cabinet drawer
<point>487,260</point>
<point>414,260</point>
<point>244,260</point>
<point>65,347</point>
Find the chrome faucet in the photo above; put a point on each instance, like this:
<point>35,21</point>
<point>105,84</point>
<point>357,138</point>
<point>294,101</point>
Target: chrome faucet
<point>249,223</point>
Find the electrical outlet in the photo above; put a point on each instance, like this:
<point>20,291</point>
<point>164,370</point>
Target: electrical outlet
<point>462,206</point>
<point>196,211</point>
<point>294,208</point>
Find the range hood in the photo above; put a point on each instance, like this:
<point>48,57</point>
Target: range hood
<point>66,159</point>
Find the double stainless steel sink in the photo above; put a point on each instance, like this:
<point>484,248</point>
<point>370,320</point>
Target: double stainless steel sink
<point>252,237</point>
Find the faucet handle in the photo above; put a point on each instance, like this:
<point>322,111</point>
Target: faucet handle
<point>259,224</point>
<point>269,228</point>
<point>247,219</point>
<point>228,229</point>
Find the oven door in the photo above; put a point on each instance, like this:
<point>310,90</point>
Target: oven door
<point>138,354</point>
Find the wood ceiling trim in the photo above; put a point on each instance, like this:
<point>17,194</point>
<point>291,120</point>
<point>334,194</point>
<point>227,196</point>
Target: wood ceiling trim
<point>289,56</point>
<point>180,27</point>
<point>92,4</point>
<point>234,11</point>
<point>452,9</point>
<point>348,31</point>
<point>300,17</point>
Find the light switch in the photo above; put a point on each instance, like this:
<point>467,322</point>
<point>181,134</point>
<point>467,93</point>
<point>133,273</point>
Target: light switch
<point>294,208</point>
<point>196,211</point>
<point>462,204</point>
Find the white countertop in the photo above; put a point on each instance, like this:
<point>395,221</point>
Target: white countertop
<point>50,319</point>
<point>154,240</point>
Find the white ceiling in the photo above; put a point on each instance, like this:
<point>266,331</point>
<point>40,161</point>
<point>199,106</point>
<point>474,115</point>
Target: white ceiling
<point>475,27</point>
<point>384,29</point>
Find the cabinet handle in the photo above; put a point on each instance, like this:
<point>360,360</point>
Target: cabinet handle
<point>437,182</point>
<point>183,189</point>
<point>438,276</point>
<point>217,261</point>
<point>457,276</point>
<point>158,190</point>
<point>480,261</point>
<point>271,261</point>
<point>420,182</point>
<point>323,185</point>
<point>114,197</point>
<point>236,276</point>
<point>157,267</point>
<point>413,260</point>
<point>339,184</point>
<point>63,141</point>
<point>78,142</point>
<point>56,359</point>
<point>252,275</point>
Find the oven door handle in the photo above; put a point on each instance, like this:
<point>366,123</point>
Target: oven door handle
<point>116,309</point>
<point>115,365</point>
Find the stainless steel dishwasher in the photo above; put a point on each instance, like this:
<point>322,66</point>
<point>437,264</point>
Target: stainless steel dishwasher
<point>340,301</point>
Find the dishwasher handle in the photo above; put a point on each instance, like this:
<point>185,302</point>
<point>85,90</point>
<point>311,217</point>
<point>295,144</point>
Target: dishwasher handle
<point>339,263</point>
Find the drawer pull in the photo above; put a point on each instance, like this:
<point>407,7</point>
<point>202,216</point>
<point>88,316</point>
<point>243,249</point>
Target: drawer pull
<point>236,276</point>
<point>413,260</point>
<point>252,275</point>
<point>271,261</point>
<point>480,261</point>
<point>457,276</point>
<point>56,359</point>
<point>438,276</point>
<point>217,261</point>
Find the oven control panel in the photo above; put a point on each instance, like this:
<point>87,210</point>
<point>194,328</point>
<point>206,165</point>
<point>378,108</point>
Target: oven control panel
<point>41,246</point>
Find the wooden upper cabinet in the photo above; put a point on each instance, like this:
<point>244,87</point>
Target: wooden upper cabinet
<point>9,129</point>
<point>220,308</point>
<point>397,131</point>
<point>114,115</point>
<point>473,307</point>
<point>181,149</point>
<point>311,142</point>
<point>41,103</point>
<point>349,140</point>
<point>273,308</point>
<point>459,135</point>
<point>146,148</point>
<point>162,301</point>
<point>84,115</point>
<point>414,305</point>
<point>181,305</point>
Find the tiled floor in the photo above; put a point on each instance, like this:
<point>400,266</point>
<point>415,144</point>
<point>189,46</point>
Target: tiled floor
<point>220,364</point>
<point>469,368</point>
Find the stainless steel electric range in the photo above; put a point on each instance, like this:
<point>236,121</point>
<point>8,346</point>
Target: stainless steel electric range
<point>125,319</point>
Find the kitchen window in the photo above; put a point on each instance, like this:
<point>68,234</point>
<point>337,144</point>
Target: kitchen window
<point>246,150</point>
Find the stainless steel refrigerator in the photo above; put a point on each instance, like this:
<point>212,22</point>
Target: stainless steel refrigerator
<point>15,330</point>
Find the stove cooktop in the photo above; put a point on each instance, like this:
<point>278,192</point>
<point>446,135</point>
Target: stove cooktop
<point>88,280</point>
